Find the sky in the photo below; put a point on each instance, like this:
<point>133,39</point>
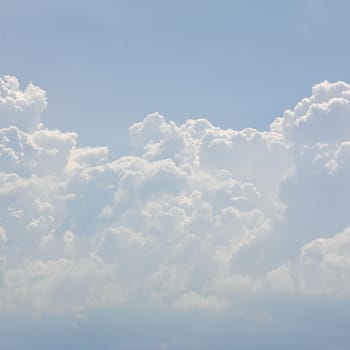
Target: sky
<point>174,175</point>
<point>105,65</point>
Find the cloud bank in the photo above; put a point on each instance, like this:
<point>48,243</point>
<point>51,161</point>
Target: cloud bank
<point>193,217</point>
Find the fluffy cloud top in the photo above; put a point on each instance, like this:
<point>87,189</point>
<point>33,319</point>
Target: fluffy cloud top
<point>18,107</point>
<point>191,218</point>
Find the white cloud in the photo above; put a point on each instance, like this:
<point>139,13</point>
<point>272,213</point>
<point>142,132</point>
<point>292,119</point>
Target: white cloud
<point>192,217</point>
<point>21,108</point>
<point>322,117</point>
<point>281,280</point>
<point>325,265</point>
<point>322,268</point>
<point>61,286</point>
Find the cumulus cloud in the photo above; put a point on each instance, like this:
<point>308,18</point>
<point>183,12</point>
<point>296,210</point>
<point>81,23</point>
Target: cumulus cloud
<point>192,217</point>
<point>320,118</point>
<point>18,107</point>
<point>325,265</point>
<point>67,287</point>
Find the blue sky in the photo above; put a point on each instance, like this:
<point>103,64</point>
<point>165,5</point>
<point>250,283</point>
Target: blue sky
<point>107,64</point>
<point>174,175</point>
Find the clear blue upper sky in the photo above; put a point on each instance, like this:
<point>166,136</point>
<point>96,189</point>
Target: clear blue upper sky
<point>106,64</point>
